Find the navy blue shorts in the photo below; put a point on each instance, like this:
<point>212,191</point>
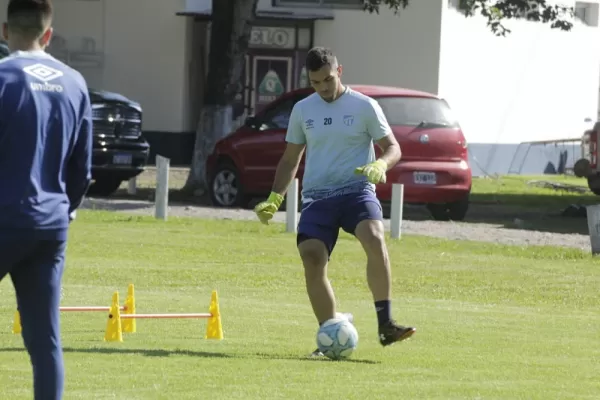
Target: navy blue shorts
<point>322,219</point>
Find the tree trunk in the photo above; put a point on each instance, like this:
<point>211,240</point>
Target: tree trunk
<point>229,36</point>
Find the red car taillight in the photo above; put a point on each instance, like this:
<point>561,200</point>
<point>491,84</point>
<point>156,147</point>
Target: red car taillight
<point>464,153</point>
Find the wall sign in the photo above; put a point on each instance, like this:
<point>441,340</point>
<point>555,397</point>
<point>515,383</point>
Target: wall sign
<point>272,76</point>
<point>269,37</point>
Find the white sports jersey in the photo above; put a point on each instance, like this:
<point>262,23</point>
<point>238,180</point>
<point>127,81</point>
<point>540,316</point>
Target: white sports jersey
<point>339,138</point>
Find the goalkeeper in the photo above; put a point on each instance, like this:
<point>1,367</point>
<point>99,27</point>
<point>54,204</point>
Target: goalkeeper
<point>337,126</point>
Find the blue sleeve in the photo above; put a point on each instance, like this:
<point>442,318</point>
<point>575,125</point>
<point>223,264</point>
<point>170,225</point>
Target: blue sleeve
<point>79,170</point>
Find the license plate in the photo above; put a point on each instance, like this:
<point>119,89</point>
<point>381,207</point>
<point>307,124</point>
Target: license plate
<point>122,159</point>
<point>424,178</point>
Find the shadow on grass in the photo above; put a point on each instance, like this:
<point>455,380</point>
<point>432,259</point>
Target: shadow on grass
<point>510,217</point>
<point>534,201</point>
<point>191,353</point>
<point>267,356</point>
<point>143,352</point>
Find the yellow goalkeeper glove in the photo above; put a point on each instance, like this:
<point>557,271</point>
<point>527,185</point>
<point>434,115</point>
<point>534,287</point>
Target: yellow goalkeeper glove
<point>266,209</point>
<point>375,171</point>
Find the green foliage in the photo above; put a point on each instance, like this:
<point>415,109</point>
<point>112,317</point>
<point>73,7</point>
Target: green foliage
<point>496,12</point>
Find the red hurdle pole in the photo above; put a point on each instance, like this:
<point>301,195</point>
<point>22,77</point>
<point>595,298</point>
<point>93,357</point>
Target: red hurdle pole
<point>150,316</point>
<point>114,325</point>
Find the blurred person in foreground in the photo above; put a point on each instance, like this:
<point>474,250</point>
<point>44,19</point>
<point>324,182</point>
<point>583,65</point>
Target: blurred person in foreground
<point>45,171</point>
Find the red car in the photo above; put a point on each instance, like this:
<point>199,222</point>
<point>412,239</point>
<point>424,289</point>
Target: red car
<point>434,167</point>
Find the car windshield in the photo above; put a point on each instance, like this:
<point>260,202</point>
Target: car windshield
<point>417,111</point>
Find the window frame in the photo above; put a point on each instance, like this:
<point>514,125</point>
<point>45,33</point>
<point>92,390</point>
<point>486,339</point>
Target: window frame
<point>451,124</point>
<point>323,4</point>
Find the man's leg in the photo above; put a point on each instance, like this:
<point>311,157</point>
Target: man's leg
<point>364,218</point>
<point>13,251</point>
<point>314,255</point>
<point>37,282</point>
<point>318,230</point>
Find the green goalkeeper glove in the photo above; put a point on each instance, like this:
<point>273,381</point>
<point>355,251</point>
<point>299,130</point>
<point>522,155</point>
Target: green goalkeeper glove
<point>266,209</point>
<point>375,171</point>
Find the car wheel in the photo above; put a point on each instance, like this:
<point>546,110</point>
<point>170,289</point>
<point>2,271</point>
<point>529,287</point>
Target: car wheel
<point>455,211</point>
<point>104,187</point>
<point>225,187</point>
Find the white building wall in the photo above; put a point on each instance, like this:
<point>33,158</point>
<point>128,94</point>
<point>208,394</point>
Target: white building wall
<point>146,59</point>
<point>536,83</point>
<point>386,49</point>
<point>144,52</point>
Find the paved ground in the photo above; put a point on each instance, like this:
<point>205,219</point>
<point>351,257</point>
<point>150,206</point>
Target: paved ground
<point>484,223</point>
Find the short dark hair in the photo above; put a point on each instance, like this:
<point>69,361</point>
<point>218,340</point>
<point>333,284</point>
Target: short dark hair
<point>318,57</point>
<point>29,18</point>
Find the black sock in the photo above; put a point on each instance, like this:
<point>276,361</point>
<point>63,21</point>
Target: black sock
<point>384,311</point>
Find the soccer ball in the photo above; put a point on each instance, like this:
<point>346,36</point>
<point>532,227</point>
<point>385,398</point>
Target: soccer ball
<point>337,338</point>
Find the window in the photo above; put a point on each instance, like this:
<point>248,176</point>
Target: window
<point>319,3</point>
<point>278,116</point>
<point>413,111</point>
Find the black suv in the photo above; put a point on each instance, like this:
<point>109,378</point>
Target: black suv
<point>120,151</point>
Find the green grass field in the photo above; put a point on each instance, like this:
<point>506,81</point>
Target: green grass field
<point>514,190</point>
<point>494,322</point>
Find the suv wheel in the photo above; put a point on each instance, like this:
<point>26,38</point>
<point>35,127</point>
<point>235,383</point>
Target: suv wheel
<point>104,187</point>
<point>225,187</point>
<point>455,211</point>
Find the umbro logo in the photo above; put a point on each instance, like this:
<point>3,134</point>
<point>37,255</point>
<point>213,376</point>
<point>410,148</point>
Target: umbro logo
<point>45,74</point>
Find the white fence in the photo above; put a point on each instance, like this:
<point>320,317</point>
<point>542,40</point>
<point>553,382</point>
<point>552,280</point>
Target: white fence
<point>161,200</point>
<point>395,215</point>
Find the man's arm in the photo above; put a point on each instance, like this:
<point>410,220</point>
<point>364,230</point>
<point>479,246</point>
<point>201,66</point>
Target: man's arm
<point>391,150</point>
<point>296,143</point>
<point>79,167</point>
<point>287,167</point>
<point>381,132</point>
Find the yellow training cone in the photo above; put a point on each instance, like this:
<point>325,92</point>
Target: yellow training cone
<point>214,328</point>
<point>114,331</point>
<point>128,324</point>
<point>17,322</point>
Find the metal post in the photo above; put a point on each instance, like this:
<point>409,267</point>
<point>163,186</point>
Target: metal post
<point>161,198</point>
<point>132,185</point>
<point>291,212</point>
<point>396,210</point>
<point>593,220</point>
